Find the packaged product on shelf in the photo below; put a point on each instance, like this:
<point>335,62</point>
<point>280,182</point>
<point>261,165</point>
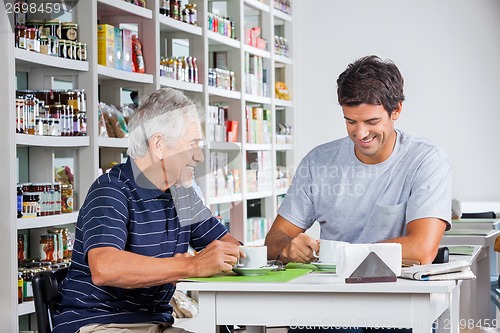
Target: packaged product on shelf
<point>137,58</point>
<point>127,50</point>
<point>116,126</point>
<point>66,198</point>
<point>118,48</point>
<point>106,45</point>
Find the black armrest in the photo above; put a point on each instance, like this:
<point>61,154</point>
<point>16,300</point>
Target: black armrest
<point>443,256</point>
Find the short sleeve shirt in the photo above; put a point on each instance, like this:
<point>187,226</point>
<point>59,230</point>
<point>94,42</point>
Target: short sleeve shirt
<point>118,213</point>
<point>362,203</point>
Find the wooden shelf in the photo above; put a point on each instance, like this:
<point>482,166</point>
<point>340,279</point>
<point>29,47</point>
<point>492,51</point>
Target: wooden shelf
<point>257,52</point>
<point>46,221</point>
<point>168,24</point>
<point>105,142</point>
<point>225,199</point>
<point>122,8</point>
<point>32,59</point>
<point>258,5</point>
<point>215,38</point>
<point>108,73</point>
<point>52,141</point>
<point>229,94</point>
<point>181,85</point>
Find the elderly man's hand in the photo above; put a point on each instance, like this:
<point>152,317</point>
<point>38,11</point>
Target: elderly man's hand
<point>217,257</point>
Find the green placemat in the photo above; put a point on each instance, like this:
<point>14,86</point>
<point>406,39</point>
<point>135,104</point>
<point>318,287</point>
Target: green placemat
<point>467,232</point>
<point>273,276</point>
<point>461,249</point>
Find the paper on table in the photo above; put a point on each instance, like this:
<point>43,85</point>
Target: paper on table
<point>453,270</point>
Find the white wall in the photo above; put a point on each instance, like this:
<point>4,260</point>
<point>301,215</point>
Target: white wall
<point>449,54</point>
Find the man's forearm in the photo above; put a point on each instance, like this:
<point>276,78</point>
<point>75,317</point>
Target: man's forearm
<point>276,242</point>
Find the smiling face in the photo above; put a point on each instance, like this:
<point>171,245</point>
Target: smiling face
<point>372,130</point>
<point>182,158</point>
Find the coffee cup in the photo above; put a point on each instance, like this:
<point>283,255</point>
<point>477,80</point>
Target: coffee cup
<point>256,257</point>
<point>330,251</point>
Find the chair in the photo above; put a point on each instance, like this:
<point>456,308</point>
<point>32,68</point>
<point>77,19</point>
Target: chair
<point>45,289</point>
<point>480,215</point>
<point>495,285</point>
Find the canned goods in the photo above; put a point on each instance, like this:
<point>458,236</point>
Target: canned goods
<point>47,247</point>
<point>45,47</point>
<point>63,52</point>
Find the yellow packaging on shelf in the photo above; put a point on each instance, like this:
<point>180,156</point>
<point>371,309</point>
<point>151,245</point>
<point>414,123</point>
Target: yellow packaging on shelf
<point>106,45</point>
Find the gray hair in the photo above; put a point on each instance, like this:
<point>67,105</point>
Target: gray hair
<point>166,111</point>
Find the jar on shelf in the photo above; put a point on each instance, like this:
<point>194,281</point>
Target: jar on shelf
<point>22,248</point>
<point>30,203</point>
<point>69,31</point>
<point>165,7</point>
<point>20,37</point>
<point>52,28</point>
<point>19,196</point>
<point>47,248</point>
<point>66,198</point>
<point>57,197</point>
<point>20,282</point>
<point>27,276</point>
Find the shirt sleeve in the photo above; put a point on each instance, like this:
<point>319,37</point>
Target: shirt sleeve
<point>431,190</point>
<point>297,207</point>
<point>104,218</point>
<point>204,233</point>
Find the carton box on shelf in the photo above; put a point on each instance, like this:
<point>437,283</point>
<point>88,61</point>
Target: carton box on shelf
<point>127,50</point>
<point>118,49</point>
<point>106,45</point>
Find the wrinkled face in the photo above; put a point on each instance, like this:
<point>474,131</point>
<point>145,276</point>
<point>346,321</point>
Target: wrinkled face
<point>372,130</point>
<point>182,158</point>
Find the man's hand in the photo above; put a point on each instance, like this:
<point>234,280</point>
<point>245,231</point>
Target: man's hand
<point>302,249</point>
<point>217,257</point>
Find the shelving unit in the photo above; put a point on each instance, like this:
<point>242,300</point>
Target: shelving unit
<point>102,84</point>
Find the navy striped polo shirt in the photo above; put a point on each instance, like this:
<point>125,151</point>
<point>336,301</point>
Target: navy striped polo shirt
<point>118,213</point>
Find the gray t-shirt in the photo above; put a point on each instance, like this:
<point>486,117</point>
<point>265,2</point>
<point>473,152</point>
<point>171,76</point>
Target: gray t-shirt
<point>362,203</point>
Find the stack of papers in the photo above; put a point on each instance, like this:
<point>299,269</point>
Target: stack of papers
<point>453,270</point>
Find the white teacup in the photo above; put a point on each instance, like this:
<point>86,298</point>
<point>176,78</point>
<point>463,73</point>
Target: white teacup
<point>329,251</point>
<point>256,257</point>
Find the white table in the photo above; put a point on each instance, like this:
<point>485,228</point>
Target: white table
<point>475,303</point>
<point>324,300</point>
<point>487,224</point>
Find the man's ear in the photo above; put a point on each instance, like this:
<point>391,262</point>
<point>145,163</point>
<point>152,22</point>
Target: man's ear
<point>155,145</point>
<point>397,112</point>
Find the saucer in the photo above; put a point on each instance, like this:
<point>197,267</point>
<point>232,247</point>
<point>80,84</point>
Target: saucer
<point>264,270</point>
<point>325,266</point>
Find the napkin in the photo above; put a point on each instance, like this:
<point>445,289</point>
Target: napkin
<point>352,256</point>
<point>453,270</point>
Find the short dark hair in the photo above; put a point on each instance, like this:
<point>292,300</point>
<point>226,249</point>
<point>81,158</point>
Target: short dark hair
<point>370,80</point>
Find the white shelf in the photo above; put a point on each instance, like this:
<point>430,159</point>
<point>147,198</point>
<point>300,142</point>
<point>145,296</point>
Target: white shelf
<point>25,308</point>
<point>230,94</point>
<point>108,73</point>
<point>281,191</point>
<point>258,146</point>
<point>46,221</point>
<point>281,15</point>
<point>33,59</point>
<point>257,99</point>
<point>122,8</point>
<point>234,146</point>
<point>181,85</point>
<point>258,195</point>
<point>284,147</point>
<point>52,141</point>
<point>257,52</point>
<point>283,102</point>
<point>215,38</point>
<point>105,142</point>
<point>282,59</point>
<point>225,199</point>
<point>258,5</point>
<point>168,24</point>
